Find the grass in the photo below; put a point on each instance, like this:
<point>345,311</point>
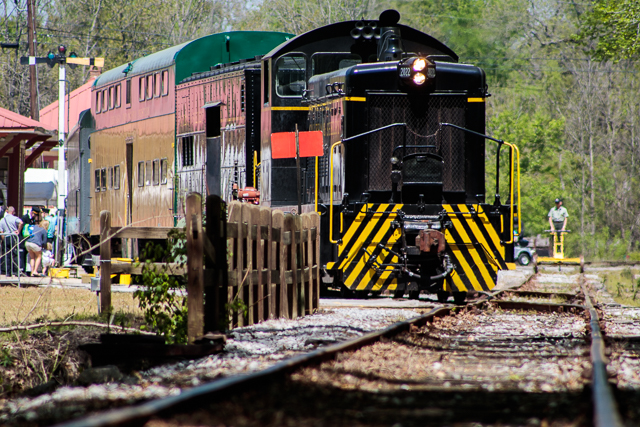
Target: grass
<point>32,305</point>
<point>622,286</point>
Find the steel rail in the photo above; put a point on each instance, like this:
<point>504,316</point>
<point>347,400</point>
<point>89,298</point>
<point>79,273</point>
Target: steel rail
<point>605,410</point>
<point>139,414</point>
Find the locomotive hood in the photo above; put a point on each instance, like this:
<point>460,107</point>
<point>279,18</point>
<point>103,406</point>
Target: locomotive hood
<point>364,37</point>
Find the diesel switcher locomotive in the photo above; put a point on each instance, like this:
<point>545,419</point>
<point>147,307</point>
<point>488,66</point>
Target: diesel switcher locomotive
<point>398,174</point>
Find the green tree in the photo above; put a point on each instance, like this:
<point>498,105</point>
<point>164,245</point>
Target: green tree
<point>613,25</point>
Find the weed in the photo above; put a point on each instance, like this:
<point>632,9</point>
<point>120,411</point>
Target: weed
<point>165,309</point>
<point>6,359</point>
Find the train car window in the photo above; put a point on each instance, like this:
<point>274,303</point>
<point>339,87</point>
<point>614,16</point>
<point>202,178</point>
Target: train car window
<point>157,84</point>
<point>187,151</point>
<point>149,87</point>
<point>141,87</point>
<point>110,98</point>
<point>140,174</point>
<point>265,81</point>
<point>116,96</point>
<point>148,173</point>
<point>291,72</point>
<point>98,102</point>
<point>127,93</point>
<point>165,82</point>
<point>110,178</point>
<point>103,178</point>
<point>96,181</point>
<point>163,171</point>
<point>116,177</point>
<point>156,172</point>
<point>326,62</point>
<point>105,100</point>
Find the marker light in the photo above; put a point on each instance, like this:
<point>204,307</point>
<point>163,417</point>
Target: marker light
<point>62,49</point>
<point>419,64</point>
<point>419,78</point>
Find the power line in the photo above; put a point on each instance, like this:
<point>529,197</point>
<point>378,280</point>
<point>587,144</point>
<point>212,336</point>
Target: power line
<point>75,36</point>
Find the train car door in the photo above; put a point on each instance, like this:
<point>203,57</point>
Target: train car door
<point>213,164</point>
<point>129,182</point>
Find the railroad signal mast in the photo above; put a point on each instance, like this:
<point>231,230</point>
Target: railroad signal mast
<point>61,59</point>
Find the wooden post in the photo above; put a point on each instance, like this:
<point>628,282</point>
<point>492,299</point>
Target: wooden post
<point>195,273</point>
<point>251,264</point>
<point>267,253</point>
<point>316,261</point>
<point>283,305</point>
<point>105,263</point>
<point>299,267</point>
<point>307,224</point>
<point>216,285</point>
<point>235,215</point>
<point>278,265</point>
<point>258,260</point>
<point>292,266</point>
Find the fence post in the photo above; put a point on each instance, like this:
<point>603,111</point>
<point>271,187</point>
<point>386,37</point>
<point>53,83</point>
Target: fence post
<point>247,216</point>
<point>299,267</point>
<point>258,260</point>
<point>316,261</point>
<point>216,273</point>
<point>195,273</point>
<point>267,250</point>
<point>307,248</point>
<point>291,288</point>
<point>279,265</point>
<point>105,262</point>
<point>235,215</point>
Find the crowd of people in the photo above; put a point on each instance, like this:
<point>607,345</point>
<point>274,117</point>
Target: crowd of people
<point>29,237</point>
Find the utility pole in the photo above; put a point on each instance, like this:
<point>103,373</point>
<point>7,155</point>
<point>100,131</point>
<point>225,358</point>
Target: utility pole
<point>33,79</point>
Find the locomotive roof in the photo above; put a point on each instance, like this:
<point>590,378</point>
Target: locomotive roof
<point>332,38</point>
<point>199,55</point>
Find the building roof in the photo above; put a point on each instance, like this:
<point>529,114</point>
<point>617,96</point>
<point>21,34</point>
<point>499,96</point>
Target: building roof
<point>79,100</point>
<point>10,121</point>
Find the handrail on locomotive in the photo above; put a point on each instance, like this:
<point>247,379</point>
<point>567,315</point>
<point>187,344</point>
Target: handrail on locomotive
<point>514,169</point>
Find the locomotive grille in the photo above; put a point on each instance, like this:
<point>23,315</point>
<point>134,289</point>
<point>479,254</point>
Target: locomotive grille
<point>422,122</point>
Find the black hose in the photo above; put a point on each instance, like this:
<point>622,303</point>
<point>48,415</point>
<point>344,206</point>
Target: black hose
<point>448,270</point>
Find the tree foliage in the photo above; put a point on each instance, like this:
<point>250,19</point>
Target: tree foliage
<point>562,86</point>
<point>614,26</point>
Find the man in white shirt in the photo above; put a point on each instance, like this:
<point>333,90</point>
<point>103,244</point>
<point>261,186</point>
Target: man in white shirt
<point>558,217</point>
<point>10,227</point>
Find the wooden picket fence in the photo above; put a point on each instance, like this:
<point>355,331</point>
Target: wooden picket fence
<point>259,263</point>
<point>273,264</point>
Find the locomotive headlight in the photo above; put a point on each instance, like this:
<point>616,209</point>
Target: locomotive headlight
<point>416,74</point>
<point>419,64</point>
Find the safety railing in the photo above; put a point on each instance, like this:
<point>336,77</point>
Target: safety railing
<point>514,176</point>
<point>10,256</point>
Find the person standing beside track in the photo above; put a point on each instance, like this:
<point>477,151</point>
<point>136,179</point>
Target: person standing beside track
<point>32,218</point>
<point>10,225</point>
<point>558,217</point>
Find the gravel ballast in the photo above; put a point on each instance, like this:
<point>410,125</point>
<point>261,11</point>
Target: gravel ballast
<point>248,349</point>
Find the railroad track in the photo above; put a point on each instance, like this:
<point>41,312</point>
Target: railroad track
<point>517,357</point>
